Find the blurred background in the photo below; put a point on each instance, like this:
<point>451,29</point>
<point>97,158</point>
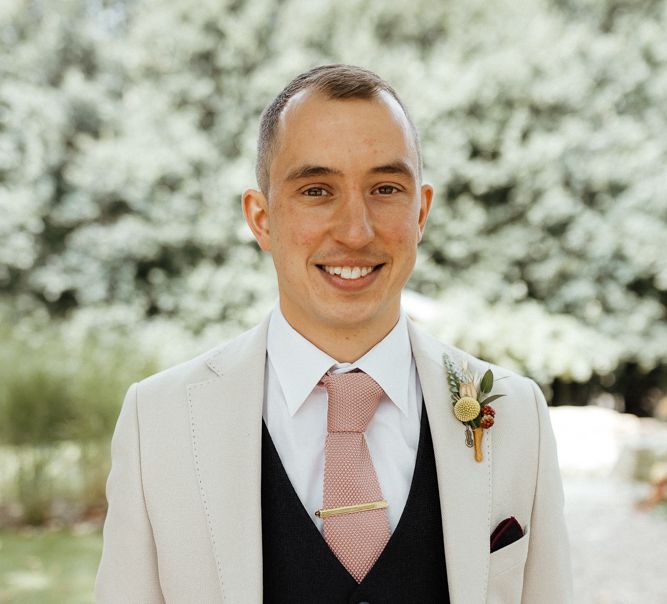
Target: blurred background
<point>127,134</point>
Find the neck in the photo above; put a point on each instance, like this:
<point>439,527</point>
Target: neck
<point>346,344</point>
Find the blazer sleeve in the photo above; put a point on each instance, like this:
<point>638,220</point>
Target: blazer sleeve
<point>548,572</point>
<point>128,570</point>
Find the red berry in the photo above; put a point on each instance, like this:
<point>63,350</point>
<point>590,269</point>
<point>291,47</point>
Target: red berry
<point>488,410</point>
<point>487,421</point>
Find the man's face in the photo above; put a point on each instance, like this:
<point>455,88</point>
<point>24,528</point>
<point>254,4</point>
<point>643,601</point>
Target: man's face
<point>345,212</point>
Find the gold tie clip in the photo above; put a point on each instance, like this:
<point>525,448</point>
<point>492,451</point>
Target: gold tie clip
<point>349,509</point>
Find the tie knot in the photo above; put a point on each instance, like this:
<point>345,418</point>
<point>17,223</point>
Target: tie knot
<point>353,399</point>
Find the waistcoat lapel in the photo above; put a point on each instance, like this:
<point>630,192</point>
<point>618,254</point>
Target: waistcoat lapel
<point>226,426</point>
<point>464,484</point>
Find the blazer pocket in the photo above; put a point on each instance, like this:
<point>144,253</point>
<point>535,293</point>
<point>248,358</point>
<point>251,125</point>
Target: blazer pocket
<point>506,572</point>
<point>510,556</point>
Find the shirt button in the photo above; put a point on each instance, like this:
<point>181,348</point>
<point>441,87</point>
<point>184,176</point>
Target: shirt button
<point>364,602</point>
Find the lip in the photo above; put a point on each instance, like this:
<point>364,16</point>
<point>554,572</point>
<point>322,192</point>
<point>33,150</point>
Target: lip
<point>350,285</point>
<point>351,262</point>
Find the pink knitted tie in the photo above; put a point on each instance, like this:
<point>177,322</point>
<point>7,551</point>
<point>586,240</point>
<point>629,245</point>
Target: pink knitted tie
<point>358,538</point>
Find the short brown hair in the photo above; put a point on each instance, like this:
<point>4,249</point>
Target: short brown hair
<point>335,82</point>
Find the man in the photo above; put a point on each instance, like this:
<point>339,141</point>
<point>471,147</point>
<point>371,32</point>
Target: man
<point>318,457</point>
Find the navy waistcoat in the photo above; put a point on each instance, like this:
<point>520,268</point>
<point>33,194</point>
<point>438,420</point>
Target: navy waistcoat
<point>300,568</point>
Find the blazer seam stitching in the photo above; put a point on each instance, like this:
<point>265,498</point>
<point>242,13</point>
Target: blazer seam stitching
<point>195,451</point>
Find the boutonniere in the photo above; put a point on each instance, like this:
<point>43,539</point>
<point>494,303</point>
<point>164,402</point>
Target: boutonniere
<point>471,396</point>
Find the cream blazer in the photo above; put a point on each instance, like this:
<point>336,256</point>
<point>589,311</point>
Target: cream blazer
<point>184,519</point>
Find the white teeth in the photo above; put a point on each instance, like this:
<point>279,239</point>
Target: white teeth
<point>349,272</point>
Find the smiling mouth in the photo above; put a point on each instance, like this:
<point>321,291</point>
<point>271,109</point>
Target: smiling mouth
<point>349,272</point>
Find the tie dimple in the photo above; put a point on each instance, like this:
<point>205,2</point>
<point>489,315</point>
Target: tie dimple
<point>356,539</point>
<point>353,399</point>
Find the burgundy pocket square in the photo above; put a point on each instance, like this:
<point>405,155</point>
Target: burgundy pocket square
<point>507,532</point>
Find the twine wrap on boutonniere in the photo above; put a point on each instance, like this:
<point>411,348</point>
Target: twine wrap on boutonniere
<point>471,396</point>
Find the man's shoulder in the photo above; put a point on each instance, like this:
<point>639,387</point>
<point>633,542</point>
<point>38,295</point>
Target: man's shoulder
<point>207,365</point>
<point>428,347</point>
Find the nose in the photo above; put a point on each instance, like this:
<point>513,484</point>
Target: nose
<point>352,225</point>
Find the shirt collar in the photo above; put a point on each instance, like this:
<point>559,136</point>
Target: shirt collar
<point>299,364</point>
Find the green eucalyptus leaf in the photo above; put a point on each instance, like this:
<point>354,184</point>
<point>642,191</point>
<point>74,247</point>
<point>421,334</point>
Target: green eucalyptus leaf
<point>487,382</point>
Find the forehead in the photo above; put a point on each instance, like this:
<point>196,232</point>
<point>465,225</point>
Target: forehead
<point>321,130</point>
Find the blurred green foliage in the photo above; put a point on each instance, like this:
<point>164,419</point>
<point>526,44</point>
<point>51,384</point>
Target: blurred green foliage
<point>55,387</point>
<point>59,400</point>
<point>128,128</point>
<point>127,134</point>
<point>48,567</point>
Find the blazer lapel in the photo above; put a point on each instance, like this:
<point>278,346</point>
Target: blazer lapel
<point>464,484</point>
<point>226,426</point>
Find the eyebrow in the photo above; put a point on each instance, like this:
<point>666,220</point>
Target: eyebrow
<point>395,167</point>
<point>308,171</point>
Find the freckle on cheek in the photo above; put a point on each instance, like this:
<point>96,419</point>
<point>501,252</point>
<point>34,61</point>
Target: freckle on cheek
<point>302,239</point>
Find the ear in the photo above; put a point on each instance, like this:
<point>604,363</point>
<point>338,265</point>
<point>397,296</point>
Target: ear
<point>256,212</point>
<point>424,208</point>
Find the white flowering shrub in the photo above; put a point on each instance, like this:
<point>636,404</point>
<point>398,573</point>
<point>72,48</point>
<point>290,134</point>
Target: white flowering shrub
<point>128,129</point>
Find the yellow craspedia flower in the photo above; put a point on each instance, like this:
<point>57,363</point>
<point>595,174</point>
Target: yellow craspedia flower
<point>466,409</point>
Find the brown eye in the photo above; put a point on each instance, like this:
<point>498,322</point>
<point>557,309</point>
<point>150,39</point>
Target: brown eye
<point>314,192</point>
<point>387,189</point>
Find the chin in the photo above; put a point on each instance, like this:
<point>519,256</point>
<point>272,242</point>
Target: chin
<point>351,315</point>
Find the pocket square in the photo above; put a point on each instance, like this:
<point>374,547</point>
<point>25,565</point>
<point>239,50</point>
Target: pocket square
<point>507,532</point>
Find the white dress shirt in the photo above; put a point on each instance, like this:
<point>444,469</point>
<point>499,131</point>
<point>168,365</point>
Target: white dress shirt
<point>295,411</point>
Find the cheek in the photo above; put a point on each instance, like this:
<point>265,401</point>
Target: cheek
<point>289,231</point>
<point>399,224</point>
<point>403,233</point>
<point>304,239</point>
<point>301,235</point>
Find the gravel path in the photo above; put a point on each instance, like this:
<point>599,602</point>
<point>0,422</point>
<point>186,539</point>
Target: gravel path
<point>619,554</point>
